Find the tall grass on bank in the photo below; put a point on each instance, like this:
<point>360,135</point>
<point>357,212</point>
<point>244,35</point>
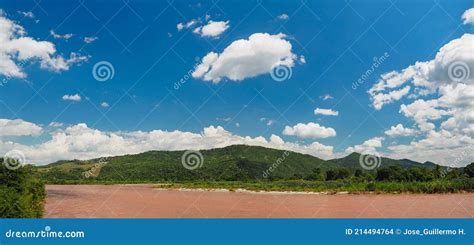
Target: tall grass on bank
<point>438,186</point>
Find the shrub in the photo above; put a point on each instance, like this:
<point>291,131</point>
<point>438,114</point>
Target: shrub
<point>22,194</point>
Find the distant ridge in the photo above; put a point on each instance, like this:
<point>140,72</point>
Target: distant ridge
<point>231,163</point>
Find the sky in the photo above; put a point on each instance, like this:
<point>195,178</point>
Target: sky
<point>81,80</point>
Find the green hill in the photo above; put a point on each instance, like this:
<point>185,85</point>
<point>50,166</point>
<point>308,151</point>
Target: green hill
<point>232,163</point>
<point>353,161</point>
<point>237,162</point>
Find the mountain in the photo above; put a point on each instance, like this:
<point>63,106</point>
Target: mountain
<point>354,159</point>
<point>236,162</point>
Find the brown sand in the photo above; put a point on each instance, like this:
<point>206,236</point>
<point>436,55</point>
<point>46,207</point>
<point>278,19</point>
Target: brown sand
<point>143,201</point>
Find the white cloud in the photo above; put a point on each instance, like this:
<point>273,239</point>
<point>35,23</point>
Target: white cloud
<point>28,14</point>
<point>90,39</point>
<point>441,147</point>
<point>370,145</point>
<point>18,127</point>
<point>400,130</point>
<point>454,63</point>
<point>310,130</point>
<point>267,121</point>
<point>326,112</point>
<point>187,25</point>
<point>81,142</point>
<point>468,16</point>
<point>17,49</point>
<point>66,36</point>
<point>72,97</point>
<point>326,97</point>
<point>283,17</point>
<point>246,58</point>
<point>104,104</point>
<point>381,99</point>
<point>212,29</point>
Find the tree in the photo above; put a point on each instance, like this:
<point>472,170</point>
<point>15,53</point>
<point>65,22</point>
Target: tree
<point>315,175</point>
<point>22,194</point>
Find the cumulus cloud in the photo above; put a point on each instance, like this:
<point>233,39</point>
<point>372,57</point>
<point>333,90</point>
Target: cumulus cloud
<point>81,142</point>
<point>104,104</point>
<point>453,64</point>
<point>72,97</point>
<point>18,127</point>
<point>442,147</point>
<point>468,16</point>
<point>247,58</point>
<point>187,25</point>
<point>310,130</point>
<point>369,145</point>
<point>326,112</point>
<point>17,49</point>
<point>444,91</point>
<point>381,99</point>
<point>212,29</point>
<point>400,130</point>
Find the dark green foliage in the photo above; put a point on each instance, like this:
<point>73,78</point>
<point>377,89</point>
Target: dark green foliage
<point>22,194</point>
<point>469,170</point>
<point>315,175</point>
<point>339,173</point>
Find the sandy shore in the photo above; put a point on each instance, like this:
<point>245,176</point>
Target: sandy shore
<point>144,201</point>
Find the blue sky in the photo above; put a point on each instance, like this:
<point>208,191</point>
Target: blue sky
<point>149,55</point>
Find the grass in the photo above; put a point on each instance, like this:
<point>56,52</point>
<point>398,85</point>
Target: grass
<point>439,186</point>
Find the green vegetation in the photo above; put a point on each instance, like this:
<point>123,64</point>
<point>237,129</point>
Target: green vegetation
<point>259,168</point>
<point>22,194</point>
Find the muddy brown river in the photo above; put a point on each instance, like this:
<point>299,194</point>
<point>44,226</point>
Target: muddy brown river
<point>143,201</point>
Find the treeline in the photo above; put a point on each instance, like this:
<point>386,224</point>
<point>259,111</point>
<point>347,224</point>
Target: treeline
<point>22,193</point>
